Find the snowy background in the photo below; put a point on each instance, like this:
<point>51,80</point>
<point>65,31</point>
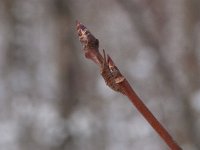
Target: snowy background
<point>52,98</point>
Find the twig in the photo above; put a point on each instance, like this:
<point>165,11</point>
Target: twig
<point>116,81</point>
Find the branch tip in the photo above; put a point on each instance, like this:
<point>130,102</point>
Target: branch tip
<point>116,81</point>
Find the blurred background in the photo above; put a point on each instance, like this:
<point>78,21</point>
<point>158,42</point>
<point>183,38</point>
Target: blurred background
<point>52,98</point>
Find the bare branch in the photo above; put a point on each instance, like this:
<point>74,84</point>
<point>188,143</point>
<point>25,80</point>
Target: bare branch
<point>116,81</point>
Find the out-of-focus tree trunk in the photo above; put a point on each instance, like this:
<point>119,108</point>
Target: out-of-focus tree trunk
<point>38,74</point>
<point>171,65</point>
<point>182,60</point>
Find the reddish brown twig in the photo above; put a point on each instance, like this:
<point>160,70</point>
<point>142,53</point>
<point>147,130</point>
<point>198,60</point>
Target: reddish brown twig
<point>116,81</point>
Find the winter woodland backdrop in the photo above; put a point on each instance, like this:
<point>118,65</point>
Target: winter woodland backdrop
<point>52,98</point>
